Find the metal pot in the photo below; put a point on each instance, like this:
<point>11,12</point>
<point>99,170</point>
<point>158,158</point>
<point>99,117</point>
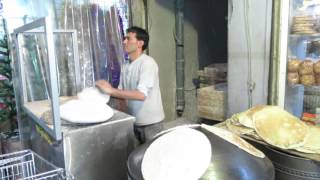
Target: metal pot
<point>289,166</point>
<point>229,162</point>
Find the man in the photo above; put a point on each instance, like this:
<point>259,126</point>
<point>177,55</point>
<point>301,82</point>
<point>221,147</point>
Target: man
<point>139,85</point>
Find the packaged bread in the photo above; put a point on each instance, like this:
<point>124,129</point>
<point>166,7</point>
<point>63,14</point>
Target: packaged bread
<point>317,79</point>
<point>293,78</point>
<point>306,67</point>
<point>307,80</point>
<point>293,65</point>
<point>316,67</point>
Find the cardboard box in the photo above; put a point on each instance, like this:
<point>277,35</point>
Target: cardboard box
<point>212,102</point>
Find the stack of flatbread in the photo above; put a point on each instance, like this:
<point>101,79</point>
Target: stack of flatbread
<point>276,127</point>
<point>303,25</point>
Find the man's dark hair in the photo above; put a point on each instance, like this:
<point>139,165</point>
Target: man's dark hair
<point>141,35</point>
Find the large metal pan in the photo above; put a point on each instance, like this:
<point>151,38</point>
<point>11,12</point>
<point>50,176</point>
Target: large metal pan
<point>229,162</point>
<point>289,166</point>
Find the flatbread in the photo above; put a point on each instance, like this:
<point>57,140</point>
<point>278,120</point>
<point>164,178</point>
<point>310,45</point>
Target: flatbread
<point>254,135</point>
<point>312,141</point>
<point>301,149</point>
<point>234,139</point>
<point>78,111</point>
<point>245,118</point>
<point>184,153</point>
<point>279,128</point>
<point>237,128</point>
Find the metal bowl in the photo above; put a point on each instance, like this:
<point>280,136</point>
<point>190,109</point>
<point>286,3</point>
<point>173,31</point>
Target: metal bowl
<point>289,166</point>
<point>228,162</point>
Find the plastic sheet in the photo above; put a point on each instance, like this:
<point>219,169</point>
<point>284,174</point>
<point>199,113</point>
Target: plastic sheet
<point>100,32</point>
<point>75,16</point>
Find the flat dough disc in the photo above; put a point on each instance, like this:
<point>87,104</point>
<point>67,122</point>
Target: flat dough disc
<point>78,111</point>
<point>237,128</point>
<point>184,153</point>
<point>279,128</point>
<point>234,139</point>
<point>312,141</point>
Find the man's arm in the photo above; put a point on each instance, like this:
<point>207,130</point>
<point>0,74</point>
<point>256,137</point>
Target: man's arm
<point>124,94</point>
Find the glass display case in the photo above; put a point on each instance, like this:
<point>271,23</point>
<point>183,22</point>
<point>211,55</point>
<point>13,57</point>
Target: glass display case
<point>302,94</point>
<point>48,71</point>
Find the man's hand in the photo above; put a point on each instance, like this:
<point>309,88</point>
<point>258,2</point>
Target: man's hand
<point>105,86</point>
<point>123,94</point>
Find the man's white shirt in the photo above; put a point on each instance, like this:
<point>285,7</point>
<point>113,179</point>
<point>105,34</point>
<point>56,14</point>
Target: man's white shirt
<point>143,75</point>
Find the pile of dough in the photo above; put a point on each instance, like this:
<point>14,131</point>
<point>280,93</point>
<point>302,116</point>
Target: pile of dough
<point>90,107</point>
<point>78,111</point>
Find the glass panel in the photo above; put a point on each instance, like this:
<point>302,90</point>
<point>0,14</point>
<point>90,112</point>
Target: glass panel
<point>36,69</point>
<point>303,65</point>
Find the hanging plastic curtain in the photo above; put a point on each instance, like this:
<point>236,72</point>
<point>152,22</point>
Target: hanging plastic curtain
<point>106,41</point>
<point>116,55</point>
<point>100,30</point>
<point>99,40</point>
<point>76,16</point>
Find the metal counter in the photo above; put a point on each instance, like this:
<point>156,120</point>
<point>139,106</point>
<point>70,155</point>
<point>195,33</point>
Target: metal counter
<point>97,151</point>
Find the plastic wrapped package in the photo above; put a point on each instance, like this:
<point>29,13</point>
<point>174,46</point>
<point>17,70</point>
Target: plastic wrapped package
<point>305,20</point>
<point>306,68</point>
<point>293,65</point>
<point>316,67</point>
<point>307,80</point>
<point>317,79</point>
<point>293,78</point>
<point>303,24</point>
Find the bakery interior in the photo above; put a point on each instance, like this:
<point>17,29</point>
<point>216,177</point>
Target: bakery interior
<point>239,80</point>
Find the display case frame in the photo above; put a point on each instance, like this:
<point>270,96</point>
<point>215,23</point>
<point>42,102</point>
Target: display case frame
<point>33,28</point>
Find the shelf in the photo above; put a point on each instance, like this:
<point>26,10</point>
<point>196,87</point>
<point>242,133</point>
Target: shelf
<point>304,35</point>
<point>295,85</point>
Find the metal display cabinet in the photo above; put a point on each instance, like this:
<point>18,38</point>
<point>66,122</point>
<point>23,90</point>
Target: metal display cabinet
<point>85,151</point>
<point>43,26</point>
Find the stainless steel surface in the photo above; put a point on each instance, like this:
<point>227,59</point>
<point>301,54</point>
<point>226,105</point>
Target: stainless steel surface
<point>290,166</point>
<point>229,162</point>
<point>96,151</point>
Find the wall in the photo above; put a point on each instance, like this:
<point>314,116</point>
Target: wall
<point>259,26</point>
<point>161,23</point>
<point>205,43</point>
